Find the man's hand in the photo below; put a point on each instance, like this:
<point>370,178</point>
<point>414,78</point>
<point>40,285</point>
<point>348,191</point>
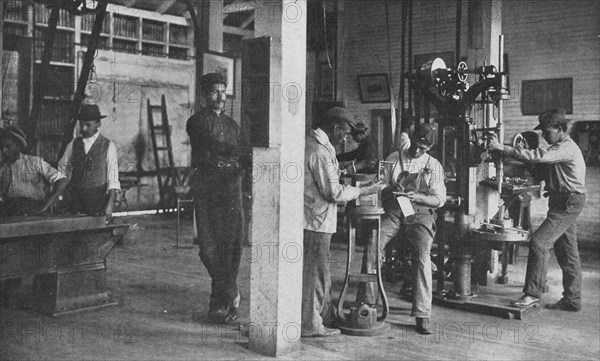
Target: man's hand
<point>493,143</point>
<point>372,187</point>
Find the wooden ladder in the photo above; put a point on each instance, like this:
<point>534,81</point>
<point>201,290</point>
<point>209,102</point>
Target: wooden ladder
<point>166,174</point>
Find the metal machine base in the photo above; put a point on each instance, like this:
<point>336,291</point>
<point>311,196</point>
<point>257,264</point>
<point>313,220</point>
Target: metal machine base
<point>487,304</point>
<point>377,329</point>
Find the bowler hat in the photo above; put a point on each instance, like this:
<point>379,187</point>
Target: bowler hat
<point>15,133</point>
<point>551,118</point>
<point>213,78</point>
<point>89,112</point>
<point>424,134</point>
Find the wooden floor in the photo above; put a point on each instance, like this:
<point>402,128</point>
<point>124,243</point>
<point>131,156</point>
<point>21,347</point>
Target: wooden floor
<point>162,293</point>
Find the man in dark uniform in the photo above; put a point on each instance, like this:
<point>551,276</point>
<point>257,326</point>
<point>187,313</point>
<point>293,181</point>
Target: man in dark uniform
<point>217,190</point>
<point>364,158</point>
<point>565,182</point>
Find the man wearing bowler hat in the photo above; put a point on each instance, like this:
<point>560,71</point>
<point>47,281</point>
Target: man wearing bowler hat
<point>23,177</point>
<point>419,179</point>
<point>565,183</point>
<point>91,162</point>
<point>217,156</point>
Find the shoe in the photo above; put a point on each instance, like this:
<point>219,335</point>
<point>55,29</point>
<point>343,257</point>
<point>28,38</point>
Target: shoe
<point>217,315</point>
<point>563,304</point>
<point>321,332</point>
<point>526,301</point>
<point>423,326</point>
<point>233,313</point>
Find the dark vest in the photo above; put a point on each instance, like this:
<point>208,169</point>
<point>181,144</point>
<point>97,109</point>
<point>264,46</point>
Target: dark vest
<point>89,170</point>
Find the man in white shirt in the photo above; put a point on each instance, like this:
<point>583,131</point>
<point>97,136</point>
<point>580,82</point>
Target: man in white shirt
<point>419,179</point>
<point>91,163</point>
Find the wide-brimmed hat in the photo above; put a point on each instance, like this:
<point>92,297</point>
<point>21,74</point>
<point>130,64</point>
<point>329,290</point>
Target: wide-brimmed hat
<point>15,133</point>
<point>89,112</point>
<point>551,118</point>
<point>424,133</point>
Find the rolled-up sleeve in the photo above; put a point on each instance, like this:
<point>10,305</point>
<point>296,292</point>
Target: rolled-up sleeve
<point>554,154</point>
<point>112,162</point>
<point>437,186</point>
<point>49,172</point>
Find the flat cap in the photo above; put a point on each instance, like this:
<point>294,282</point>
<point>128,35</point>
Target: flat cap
<point>213,78</point>
<point>551,118</point>
<point>340,113</point>
<point>359,128</point>
<point>424,133</point>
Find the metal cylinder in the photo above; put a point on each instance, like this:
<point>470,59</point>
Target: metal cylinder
<point>462,276</point>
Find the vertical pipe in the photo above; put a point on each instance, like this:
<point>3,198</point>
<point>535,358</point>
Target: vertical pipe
<point>458,27</point>
<point>500,124</point>
<point>1,57</point>
<point>410,60</point>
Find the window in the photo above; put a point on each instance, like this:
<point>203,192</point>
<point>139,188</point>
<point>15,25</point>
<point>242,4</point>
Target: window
<point>87,23</point>
<point>178,53</point>
<point>102,42</point>
<point>153,30</point>
<point>65,19</point>
<point>126,26</point>
<point>153,49</point>
<point>15,11</point>
<point>125,46</point>
<point>64,45</point>
<point>178,35</point>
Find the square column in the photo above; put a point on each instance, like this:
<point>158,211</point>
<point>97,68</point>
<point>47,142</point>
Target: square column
<point>278,185</point>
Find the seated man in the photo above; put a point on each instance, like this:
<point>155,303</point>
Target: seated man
<point>419,178</point>
<point>364,158</point>
<point>23,177</point>
<point>91,163</point>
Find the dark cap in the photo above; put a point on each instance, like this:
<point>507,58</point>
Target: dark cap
<point>213,78</point>
<point>340,113</point>
<point>89,112</point>
<point>359,128</point>
<point>551,118</point>
<point>424,133</point>
<point>15,133</point>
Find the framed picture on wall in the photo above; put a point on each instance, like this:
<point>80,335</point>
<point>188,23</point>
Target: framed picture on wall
<point>374,88</point>
<point>221,63</point>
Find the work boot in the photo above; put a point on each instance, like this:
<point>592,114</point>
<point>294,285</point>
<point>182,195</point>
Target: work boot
<point>423,326</point>
<point>526,301</point>
<point>563,304</point>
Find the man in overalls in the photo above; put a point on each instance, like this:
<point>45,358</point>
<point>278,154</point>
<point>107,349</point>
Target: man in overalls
<point>418,177</point>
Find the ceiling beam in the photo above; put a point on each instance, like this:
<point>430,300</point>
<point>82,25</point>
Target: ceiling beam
<point>238,31</point>
<point>165,6</point>
<point>248,21</point>
<point>237,7</point>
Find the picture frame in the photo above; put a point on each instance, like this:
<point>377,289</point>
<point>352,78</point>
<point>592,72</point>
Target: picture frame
<point>374,88</point>
<point>325,82</point>
<point>214,62</point>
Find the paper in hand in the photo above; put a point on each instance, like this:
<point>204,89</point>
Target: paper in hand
<point>405,206</point>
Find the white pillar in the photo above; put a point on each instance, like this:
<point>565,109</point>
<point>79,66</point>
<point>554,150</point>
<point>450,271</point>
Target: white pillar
<point>278,187</point>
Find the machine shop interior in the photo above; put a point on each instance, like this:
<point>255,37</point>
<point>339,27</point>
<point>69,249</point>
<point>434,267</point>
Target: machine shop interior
<point>132,286</point>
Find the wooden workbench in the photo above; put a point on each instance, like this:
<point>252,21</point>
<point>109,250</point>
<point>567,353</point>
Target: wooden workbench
<point>66,257</point>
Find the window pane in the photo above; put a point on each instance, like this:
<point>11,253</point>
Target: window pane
<point>153,30</point>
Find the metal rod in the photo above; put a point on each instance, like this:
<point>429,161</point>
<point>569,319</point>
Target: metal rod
<point>500,123</point>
